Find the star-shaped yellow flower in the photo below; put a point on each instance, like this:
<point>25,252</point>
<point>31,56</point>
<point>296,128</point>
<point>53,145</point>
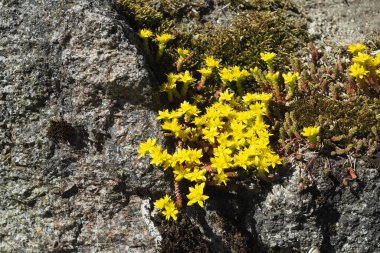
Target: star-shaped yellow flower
<point>196,195</point>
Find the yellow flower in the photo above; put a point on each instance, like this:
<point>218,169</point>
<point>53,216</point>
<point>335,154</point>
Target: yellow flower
<point>255,71</point>
<point>363,59</point>
<point>167,205</point>
<point>170,211</point>
<point>311,133</point>
<point>171,84</point>
<point>180,171</point>
<point>165,115</point>
<point>193,155</point>
<point>197,175</point>
<point>222,151</point>
<point>226,96</point>
<point>164,38</point>
<point>267,56</point>
<point>221,162</point>
<point>159,157</point>
<point>206,72</point>
<point>186,77</point>
<point>146,147</point>
<point>252,97</point>
<point>358,71</point>
<point>226,75</point>
<point>273,160</point>
<point>187,155</point>
<point>356,48</point>
<point>196,195</point>
<point>162,202</point>
<point>376,60</point>
<point>221,178</point>
<point>210,134</point>
<point>378,71</point>
<point>211,62</point>
<point>172,126</point>
<point>183,52</point>
<point>273,77</point>
<point>145,33</point>
<point>291,78</point>
<point>168,87</point>
<point>238,74</point>
<point>172,78</point>
<point>242,159</point>
<point>188,109</point>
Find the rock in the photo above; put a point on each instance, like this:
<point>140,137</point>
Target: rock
<point>341,22</point>
<point>328,214</point>
<point>76,99</point>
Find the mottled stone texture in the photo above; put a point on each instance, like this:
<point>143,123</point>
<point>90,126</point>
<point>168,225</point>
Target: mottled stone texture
<point>335,213</point>
<point>76,98</point>
<point>341,22</point>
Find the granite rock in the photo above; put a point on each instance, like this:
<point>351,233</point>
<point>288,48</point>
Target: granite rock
<point>76,99</point>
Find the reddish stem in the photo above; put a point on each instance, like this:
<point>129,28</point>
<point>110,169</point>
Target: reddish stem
<point>177,192</point>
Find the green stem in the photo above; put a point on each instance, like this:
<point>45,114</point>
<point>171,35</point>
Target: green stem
<point>291,91</point>
<point>175,93</point>
<point>270,67</point>
<point>170,96</point>
<point>146,46</point>
<point>313,140</point>
<point>239,87</point>
<point>185,88</point>
<point>180,63</point>
<point>161,48</point>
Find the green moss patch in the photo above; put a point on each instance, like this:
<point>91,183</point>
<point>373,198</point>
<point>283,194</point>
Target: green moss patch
<point>234,31</point>
<point>348,125</point>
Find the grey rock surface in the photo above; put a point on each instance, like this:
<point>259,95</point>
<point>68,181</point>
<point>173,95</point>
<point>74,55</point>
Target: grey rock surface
<point>76,99</point>
<point>342,22</point>
<point>333,213</point>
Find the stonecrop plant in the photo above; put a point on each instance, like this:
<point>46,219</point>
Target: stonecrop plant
<point>220,130</point>
<point>214,141</point>
<point>214,144</point>
<point>364,68</point>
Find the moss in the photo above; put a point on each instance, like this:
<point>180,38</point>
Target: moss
<point>250,33</point>
<point>235,31</point>
<point>142,12</point>
<point>346,125</point>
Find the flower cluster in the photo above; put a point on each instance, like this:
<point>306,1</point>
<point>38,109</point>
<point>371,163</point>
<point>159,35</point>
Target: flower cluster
<point>271,79</point>
<point>226,75</point>
<point>215,144</point>
<point>166,204</point>
<point>161,39</point>
<point>364,68</point>
<point>173,79</point>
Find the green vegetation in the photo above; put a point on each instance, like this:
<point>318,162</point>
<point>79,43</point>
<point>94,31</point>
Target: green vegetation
<point>231,76</point>
<point>235,31</point>
<point>220,129</point>
<point>215,139</point>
